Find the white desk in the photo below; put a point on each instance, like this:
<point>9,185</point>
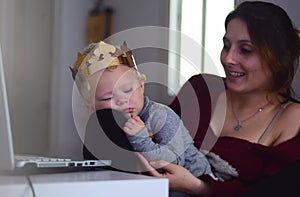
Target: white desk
<point>93,183</point>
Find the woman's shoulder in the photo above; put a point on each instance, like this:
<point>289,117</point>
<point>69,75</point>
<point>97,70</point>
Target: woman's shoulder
<point>292,113</point>
<point>292,109</point>
<point>289,121</point>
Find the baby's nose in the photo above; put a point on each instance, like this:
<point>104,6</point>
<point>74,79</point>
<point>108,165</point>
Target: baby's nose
<point>122,101</point>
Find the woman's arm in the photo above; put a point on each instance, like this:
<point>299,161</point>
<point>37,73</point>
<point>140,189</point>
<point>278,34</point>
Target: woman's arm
<point>180,179</point>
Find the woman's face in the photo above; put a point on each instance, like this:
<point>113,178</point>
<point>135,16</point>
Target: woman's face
<point>243,67</point>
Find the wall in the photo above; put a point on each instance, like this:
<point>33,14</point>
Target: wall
<point>69,38</point>
<point>26,35</point>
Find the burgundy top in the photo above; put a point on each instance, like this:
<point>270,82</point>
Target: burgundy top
<point>253,161</point>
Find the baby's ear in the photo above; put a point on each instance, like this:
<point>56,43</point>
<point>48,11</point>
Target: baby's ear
<point>141,81</point>
<point>142,85</point>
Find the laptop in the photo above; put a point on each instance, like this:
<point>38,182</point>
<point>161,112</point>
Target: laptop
<point>10,162</point>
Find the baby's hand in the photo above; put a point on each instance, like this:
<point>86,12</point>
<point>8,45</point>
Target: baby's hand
<point>133,125</point>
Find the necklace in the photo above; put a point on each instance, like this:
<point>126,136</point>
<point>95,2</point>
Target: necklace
<point>239,122</point>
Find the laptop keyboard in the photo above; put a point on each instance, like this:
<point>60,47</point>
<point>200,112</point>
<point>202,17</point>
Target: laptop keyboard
<point>34,158</point>
<point>46,162</point>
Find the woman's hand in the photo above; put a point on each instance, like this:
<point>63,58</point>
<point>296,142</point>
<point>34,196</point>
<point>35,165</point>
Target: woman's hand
<point>180,179</point>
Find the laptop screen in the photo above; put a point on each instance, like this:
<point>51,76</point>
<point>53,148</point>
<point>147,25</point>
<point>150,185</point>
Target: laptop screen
<point>6,146</point>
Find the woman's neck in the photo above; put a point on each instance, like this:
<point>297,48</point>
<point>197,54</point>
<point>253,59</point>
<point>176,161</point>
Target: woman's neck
<point>251,100</point>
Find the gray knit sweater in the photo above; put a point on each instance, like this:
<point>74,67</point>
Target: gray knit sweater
<point>172,141</point>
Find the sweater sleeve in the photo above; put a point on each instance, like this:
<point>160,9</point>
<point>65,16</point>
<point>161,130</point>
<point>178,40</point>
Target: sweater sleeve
<point>171,138</point>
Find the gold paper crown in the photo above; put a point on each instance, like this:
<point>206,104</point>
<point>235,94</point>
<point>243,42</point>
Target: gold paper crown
<point>96,57</point>
<point>101,56</point>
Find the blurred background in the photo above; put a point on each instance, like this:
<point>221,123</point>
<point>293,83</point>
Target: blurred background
<point>40,40</point>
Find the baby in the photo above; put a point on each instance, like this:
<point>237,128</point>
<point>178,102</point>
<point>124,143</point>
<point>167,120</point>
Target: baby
<point>108,77</point>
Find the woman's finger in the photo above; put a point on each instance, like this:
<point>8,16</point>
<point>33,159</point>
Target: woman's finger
<point>165,166</point>
<point>147,166</point>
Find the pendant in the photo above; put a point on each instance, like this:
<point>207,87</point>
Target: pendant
<point>238,127</point>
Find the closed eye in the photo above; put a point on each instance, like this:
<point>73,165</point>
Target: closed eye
<point>128,90</point>
<point>104,99</point>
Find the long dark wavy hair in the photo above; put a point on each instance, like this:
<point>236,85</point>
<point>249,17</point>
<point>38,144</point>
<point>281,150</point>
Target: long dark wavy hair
<point>276,40</point>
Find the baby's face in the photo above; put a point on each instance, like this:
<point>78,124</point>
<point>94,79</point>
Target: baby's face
<point>121,90</point>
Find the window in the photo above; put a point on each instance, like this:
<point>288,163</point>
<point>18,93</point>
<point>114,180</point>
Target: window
<point>197,46</point>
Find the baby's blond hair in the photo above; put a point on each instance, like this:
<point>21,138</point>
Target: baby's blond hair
<point>99,56</point>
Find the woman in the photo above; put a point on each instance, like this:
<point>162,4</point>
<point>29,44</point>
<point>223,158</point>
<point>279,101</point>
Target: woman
<point>260,136</point>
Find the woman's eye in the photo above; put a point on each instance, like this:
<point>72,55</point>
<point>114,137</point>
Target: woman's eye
<point>246,51</point>
<point>226,47</point>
